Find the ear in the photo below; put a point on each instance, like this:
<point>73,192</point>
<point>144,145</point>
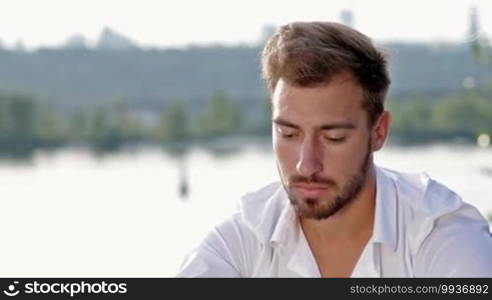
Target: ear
<point>380,130</point>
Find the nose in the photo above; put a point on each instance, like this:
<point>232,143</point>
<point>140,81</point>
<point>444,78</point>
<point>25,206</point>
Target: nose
<point>310,161</point>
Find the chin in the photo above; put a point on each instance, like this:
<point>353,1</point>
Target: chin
<point>311,208</point>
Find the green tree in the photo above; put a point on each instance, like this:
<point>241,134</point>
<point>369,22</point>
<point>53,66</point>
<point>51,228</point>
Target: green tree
<point>468,113</point>
<point>50,128</point>
<point>174,124</point>
<point>124,122</point>
<point>413,115</point>
<point>17,124</point>
<point>104,133</point>
<point>222,117</point>
<point>80,126</point>
<point>6,122</point>
<point>23,115</point>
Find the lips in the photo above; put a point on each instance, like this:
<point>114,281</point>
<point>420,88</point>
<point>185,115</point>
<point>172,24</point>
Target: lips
<point>311,190</point>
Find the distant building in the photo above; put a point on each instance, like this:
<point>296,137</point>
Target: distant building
<point>267,31</point>
<point>474,29</point>
<point>112,40</point>
<point>19,46</point>
<point>347,18</point>
<point>77,41</point>
<point>478,41</point>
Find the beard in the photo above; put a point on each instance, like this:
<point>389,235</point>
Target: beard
<point>323,208</point>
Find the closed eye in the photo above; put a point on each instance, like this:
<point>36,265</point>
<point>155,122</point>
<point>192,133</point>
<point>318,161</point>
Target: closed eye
<point>288,135</point>
<point>336,140</point>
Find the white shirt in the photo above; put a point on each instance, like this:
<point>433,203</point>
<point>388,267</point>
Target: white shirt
<point>421,229</point>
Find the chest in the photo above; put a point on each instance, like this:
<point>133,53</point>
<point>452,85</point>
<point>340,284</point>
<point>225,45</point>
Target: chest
<point>337,261</point>
<point>300,261</point>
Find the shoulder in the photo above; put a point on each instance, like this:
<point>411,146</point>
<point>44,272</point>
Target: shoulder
<point>256,216</point>
<point>447,236</point>
<point>261,210</point>
<point>232,245</point>
<point>459,245</point>
<point>422,194</point>
<point>421,197</point>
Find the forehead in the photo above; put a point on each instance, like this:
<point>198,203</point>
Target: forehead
<point>338,100</point>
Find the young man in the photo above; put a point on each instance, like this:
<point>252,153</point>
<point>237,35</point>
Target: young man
<point>334,213</point>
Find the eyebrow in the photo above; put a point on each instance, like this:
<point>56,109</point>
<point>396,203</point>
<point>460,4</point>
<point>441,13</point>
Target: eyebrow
<point>330,126</point>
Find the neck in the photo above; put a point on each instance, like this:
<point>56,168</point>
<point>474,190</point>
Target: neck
<point>353,222</point>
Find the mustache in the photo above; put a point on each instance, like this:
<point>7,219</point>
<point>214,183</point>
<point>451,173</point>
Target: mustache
<point>315,179</point>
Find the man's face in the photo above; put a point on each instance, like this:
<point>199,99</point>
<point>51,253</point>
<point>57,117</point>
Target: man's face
<point>322,143</point>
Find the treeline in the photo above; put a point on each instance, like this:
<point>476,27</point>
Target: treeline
<point>26,124</point>
<point>461,117</point>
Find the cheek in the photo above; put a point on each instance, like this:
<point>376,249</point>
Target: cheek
<point>339,162</point>
<point>345,158</point>
<point>354,155</point>
<point>285,153</point>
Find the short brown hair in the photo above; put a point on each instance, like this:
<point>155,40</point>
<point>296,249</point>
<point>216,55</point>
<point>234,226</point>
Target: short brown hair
<point>311,53</point>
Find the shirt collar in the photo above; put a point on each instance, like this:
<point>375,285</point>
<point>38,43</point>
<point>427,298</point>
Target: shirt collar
<point>287,228</point>
<point>385,219</point>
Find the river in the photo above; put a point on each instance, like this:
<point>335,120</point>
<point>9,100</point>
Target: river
<point>70,213</point>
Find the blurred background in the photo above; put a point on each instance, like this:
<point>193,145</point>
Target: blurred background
<point>129,128</point>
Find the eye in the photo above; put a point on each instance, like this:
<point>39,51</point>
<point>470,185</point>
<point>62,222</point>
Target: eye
<point>288,135</point>
<point>336,139</point>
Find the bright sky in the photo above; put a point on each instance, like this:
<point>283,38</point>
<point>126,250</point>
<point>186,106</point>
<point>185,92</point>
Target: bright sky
<point>181,22</point>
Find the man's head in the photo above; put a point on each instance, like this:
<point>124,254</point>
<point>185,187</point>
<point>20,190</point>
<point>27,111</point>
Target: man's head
<point>328,84</point>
